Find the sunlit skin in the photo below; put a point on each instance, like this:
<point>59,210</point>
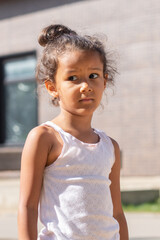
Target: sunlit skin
<point>80,82</point>
<point>79,85</point>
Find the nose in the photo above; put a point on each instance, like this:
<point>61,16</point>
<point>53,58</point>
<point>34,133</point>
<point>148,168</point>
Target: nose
<point>85,87</point>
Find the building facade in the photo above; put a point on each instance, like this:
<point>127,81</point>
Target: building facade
<point>130,115</point>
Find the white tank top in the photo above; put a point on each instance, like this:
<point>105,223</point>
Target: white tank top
<point>75,201</point>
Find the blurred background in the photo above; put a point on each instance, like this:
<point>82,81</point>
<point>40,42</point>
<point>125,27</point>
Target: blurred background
<point>131,114</point>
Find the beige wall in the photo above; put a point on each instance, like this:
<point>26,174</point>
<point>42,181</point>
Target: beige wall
<point>132,114</point>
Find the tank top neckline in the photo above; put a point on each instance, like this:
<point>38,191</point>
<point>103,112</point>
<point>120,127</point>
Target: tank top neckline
<point>54,125</point>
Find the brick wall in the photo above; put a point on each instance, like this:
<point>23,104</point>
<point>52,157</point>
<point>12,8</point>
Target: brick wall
<point>132,114</point>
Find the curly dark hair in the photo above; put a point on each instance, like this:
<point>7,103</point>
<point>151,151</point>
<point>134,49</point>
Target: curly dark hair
<point>56,40</point>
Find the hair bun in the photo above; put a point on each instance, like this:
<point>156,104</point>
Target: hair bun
<point>52,32</point>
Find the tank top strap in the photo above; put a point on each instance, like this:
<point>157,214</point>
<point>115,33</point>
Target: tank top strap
<point>103,136</point>
<point>53,125</point>
<point>107,140</point>
<point>57,129</point>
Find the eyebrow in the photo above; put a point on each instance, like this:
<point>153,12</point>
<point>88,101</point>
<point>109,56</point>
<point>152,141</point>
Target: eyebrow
<point>97,69</point>
<point>71,71</point>
<point>76,70</point>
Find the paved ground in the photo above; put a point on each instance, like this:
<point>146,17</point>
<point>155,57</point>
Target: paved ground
<point>142,226</point>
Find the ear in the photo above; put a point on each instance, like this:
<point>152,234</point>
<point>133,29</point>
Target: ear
<point>105,79</point>
<point>51,88</point>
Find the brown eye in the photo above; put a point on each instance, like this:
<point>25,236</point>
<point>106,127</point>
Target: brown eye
<point>73,78</point>
<point>93,75</point>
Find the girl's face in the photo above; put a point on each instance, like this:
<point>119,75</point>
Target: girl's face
<point>79,82</point>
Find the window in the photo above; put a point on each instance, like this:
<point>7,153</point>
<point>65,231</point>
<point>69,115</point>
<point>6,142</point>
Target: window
<point>18,88</point>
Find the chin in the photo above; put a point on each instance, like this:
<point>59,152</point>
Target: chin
<point>81,111</point>
<point>86,111</point>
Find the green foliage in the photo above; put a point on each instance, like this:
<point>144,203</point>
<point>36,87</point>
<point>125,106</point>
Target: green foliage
<point>145,207</point>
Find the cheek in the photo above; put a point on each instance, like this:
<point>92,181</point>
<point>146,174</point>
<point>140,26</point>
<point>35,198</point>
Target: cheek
<point>68,93</point>
<point>100,88</point>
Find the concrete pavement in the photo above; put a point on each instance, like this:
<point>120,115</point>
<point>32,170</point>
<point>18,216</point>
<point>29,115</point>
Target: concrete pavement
<point>142,226</point>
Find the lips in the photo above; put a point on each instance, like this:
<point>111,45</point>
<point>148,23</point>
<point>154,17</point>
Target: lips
<point>86,99</point>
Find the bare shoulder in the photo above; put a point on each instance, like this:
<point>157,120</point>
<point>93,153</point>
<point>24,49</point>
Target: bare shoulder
<point>42,136</point>
<point>115,144</point>
<point>40,133</point>
<point>117,155</point>
<point>39,142</point>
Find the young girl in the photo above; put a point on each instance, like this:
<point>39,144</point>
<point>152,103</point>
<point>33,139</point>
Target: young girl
<point>67,166</point>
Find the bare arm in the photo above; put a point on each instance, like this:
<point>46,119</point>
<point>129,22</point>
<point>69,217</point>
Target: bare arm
<point>33,161</point>
<point>116,195</point>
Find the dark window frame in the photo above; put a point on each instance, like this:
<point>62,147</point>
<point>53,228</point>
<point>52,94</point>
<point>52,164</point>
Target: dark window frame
<point>2,91</point>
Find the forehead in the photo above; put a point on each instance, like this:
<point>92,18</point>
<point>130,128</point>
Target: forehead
<point>77,58</point>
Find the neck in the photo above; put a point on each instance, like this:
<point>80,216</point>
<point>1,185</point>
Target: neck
<point>71,122</point>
